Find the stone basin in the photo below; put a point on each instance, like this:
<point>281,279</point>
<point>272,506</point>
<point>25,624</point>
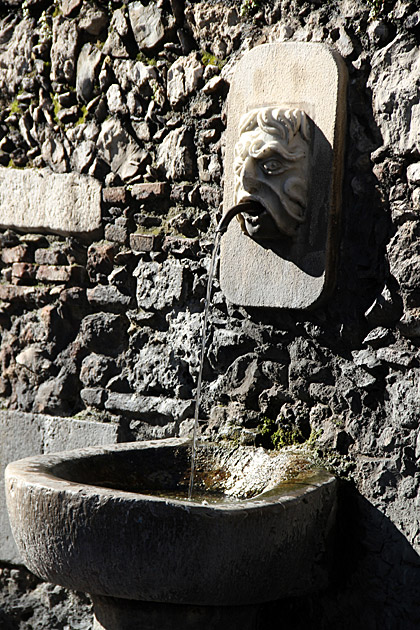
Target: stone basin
<point>115,521</point>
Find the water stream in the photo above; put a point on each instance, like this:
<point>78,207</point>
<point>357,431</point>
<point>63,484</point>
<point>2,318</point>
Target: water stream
<point>212,270</point>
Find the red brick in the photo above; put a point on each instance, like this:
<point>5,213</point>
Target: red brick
<point>140,192</point>
<point>118,195</point>
<point>13,293</point>
<point>63,273</point>
<point>23,272</point>
<point>20,253</point>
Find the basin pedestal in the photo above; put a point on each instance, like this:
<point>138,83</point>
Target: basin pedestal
<point>112,613</point>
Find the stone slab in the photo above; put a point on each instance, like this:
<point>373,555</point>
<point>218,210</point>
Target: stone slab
<point>295,274</point>
<point>42,201</point>
<point>24,434</point>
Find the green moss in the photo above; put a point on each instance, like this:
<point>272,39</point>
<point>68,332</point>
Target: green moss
<point>84,113</point>
<point>15,107</point>
<point>208,59</point>
<point>149,61</point>
<point>376,8</point>
<point>56,106</point>
<point>249,7</point>
<point>278,437</point>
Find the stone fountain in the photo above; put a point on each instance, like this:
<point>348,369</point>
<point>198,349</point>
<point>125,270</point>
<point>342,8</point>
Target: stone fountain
<point>116,522</point>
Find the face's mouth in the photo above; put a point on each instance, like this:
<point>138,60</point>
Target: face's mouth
<point>264,216</point>
<point>256,219</point>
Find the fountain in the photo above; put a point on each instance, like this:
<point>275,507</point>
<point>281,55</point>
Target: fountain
<point>123,523</point>
<point>113,522</point>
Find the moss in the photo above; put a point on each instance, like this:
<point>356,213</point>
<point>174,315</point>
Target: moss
<point>274,436</point>
<point>83,115</point>
<point>56,106</point>
<point>376,7</point>
<point>149,61</point>
<point>15,107</point>
<point>249,7</point>
<point>208,59</point>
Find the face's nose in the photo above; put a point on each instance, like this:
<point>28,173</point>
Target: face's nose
<point>249,176</point>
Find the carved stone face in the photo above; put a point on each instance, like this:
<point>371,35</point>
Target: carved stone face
<point>271,168</point>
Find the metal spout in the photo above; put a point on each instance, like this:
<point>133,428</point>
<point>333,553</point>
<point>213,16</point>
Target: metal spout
<point>251,207</point>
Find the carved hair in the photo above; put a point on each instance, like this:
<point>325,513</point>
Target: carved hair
<point>282,124</point>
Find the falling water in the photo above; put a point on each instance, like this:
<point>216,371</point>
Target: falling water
<point>202,354</point>
<point>253,207</point>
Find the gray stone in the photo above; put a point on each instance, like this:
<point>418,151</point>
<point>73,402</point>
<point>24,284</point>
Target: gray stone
<point>183,78</point>
<point>159,285</point>
<point>152,409</point>
<point>116,104</point>
<point>83,156</point>
<point>118,31</point>
<point>103,333</point>
<point>297,271</point>
<point>395,90</point>
<point>109,298</point>
<point>413,173</point>
<point>64,49</point>
<point>403,401</point>
<point>23,434</point>
<point>115,47</point>
<point>88,65</point>
<point>96,370</point>
<point>38,199</point>
<point>54,153</point>
<point>16,42</point>
<point>119,150</point>
<point>378,337</point>
<point>92,19</point>
<point>146,22</point>
<point>175,155</point>
<point>215,27</point>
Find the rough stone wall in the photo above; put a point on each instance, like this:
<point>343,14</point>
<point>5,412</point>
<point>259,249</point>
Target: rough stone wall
<point>109,329</point>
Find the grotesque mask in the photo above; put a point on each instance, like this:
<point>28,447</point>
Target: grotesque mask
<point>271,168</point>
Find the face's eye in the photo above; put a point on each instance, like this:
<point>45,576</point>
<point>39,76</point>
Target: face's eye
<point>272,166</point>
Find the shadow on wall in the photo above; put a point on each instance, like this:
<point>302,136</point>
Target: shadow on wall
<point>375,582</point>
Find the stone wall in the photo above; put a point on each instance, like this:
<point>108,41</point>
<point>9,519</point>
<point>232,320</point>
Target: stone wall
<point>103,324</point>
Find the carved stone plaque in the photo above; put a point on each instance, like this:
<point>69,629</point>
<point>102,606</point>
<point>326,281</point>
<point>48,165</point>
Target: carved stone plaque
<point>284,151</point>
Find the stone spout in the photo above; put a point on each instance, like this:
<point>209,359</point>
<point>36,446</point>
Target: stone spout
<point>250,207</point>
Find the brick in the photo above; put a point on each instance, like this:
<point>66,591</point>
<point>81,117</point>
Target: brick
<point>118,195</point>
<point>20,253</point>
<point>29,295</point>
<point>47,256</point>
<point>23,272</point>
<point>63,273</point>
<point>142,242</point>
<point>140,192</point>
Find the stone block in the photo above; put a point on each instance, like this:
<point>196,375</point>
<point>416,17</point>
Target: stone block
<point>140,192</point>
<point>28,295</point>
<point>23,434</point>
<point>306,83</point>
<point>20,253</point>
<point>62,273</point>
<point>117,194</point>
<point>39,200</point>
<point>142,242</point>
<point>23,272</point>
